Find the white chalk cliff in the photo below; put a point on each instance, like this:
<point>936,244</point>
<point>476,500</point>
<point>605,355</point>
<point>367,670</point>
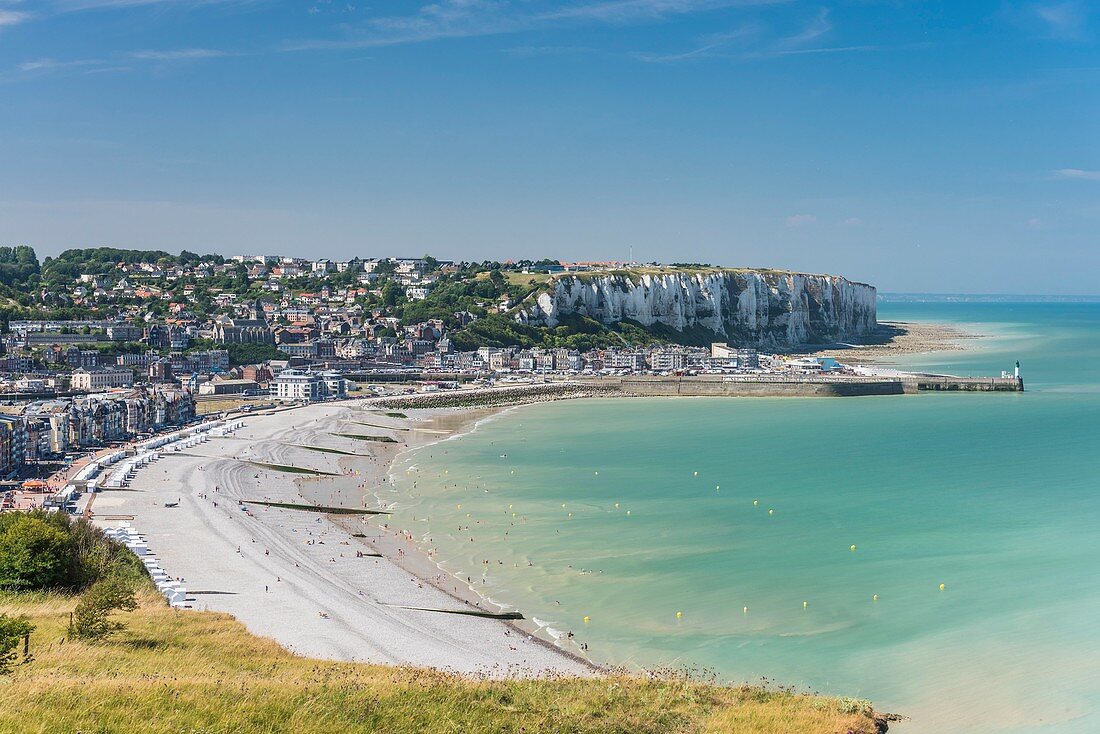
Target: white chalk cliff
<point>746,307</point>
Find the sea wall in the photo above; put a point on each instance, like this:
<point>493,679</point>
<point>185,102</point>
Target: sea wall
<point>948,383</point>
<point>759,387</point>
<point>760,308</point>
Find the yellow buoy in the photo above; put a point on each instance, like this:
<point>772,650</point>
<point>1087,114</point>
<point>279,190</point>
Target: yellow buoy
<point>852,547</point>
<point>805,604</point>
<point>459,506</point>
<point>755,503</point>
<point>718,486</point>
<point>509,507</point>
<point>628,512</point>
<point>467,514</point>
<point>771,512</point>
<point>874,597</point>
<point>616,505</point>
<point>696,473</point>
<point>942,587</point>
<point>563,504</point>
<point>679,615</point>
<point>586,619</point>
<point>597,474</point>
<point>570,514</point>
<point>746,610</point>
<point>513,471</point>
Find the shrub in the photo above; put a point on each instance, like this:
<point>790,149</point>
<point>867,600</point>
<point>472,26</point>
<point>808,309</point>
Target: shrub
<point>35,554</point>
<point>92,617</point>
<point>40,550</point>
<point>12,629</point>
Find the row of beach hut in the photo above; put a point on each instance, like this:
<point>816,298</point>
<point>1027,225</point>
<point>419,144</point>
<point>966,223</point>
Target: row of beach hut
<point>91,478</point>
<point>174,591</point>
<point>146,452</point>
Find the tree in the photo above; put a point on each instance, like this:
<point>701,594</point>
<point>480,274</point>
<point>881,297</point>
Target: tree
<point>240,278</point>
<point>12,629</point>
<point>252,353</point>
<point>35,554</point>
<point>392,294</point>
<point>19,267</point>
<point>92,617</point>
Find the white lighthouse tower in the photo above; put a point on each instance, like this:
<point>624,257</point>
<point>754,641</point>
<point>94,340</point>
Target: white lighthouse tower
<point>1016,372</point>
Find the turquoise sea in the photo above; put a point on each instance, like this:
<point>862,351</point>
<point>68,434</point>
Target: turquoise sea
<point>740,514</point>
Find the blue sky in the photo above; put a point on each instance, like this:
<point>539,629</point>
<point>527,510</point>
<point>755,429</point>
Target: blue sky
<point>919,146</point>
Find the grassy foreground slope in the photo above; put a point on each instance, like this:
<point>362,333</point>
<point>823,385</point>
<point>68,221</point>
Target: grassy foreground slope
<point>204,672</point>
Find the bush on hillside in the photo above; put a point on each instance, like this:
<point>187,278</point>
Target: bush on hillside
<point>40,550</point>
<point>35,554</point>
<point>12,630</point>
<point>92,617</point>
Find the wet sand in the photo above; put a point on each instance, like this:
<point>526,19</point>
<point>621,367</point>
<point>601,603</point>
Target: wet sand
<point>896,338</point>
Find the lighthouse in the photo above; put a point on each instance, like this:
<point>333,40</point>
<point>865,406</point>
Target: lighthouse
<point>1016,372</point>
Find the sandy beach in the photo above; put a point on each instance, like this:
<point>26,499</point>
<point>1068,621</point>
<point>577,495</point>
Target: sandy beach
<point>897,338</point>
<point>341,587</point>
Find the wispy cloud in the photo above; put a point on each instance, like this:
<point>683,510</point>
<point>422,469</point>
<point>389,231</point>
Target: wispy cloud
<point>819,26</point>
<point>753,41</point>
<point>1064,21</point>
<point>824,50</point>
<point>1077,173</point>
<point>468,18</point>
<point>670,58</point>
<point>182,54</point>
<point>713,44</point>
<point>632,11</point>
<point>43,65</point>
<point>12,17</point>
<point>72,6</point>
<point>114,63</point>
<point>801,220</point>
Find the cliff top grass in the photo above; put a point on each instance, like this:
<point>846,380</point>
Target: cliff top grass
<point>637,272</point>
<point>188,671</point>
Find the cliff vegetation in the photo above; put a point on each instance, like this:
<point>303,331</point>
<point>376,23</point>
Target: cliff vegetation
<point>171,671</point>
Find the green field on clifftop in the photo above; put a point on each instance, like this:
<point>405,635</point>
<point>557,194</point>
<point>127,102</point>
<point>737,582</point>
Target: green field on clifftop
<point>188,671</point>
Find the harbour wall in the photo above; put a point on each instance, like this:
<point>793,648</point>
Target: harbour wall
<point>702,386</point>
<point>809,386</point>
<point>760,386</point>
<point>946,383</point>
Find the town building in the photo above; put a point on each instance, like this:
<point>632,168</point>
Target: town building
<point>253,330</point>
<point>229,387</point>
<point>294,384</point>
<point>101,378</point>
<point>291,384</point>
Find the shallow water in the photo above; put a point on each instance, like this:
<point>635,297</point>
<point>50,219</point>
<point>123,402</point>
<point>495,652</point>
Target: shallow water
<point>994,496</point>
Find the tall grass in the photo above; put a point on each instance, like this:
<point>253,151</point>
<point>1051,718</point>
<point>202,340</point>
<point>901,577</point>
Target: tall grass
<point>186,671</point>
